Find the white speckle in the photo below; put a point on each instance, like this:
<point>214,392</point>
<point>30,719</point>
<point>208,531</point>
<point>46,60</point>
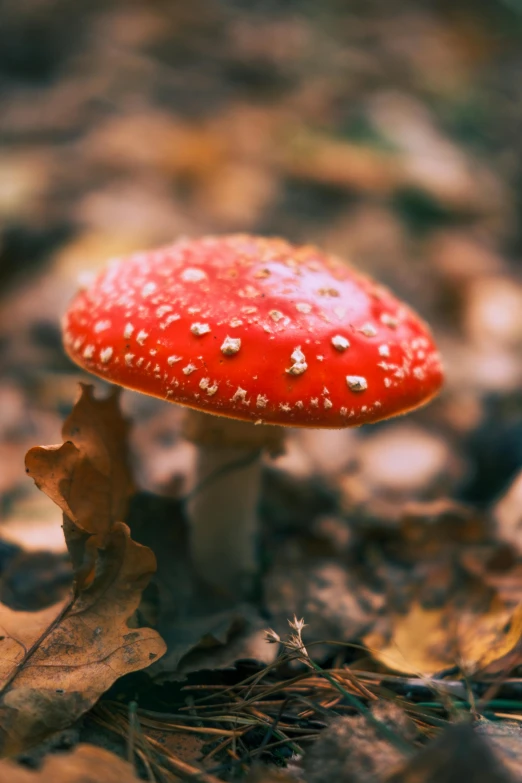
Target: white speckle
<point>384,350</point>
<point>368,330</point>
<point>189,369</point>
<point>376,404</point>
<point>325,391</point>
<point>344,411</point>
<point>230,345</point>
<point>200,329</point>
<point>128,359</point>
<point>421,355</point>
<point>340,343</point>
<point>356,383</point>
<point>173,359</point>
<point>193,275</point>
<point>249,310</point>
<point>387,382</point>
<point>303,307</point>
<point>389,320</point>
<point>299,404</point>
<point>320,357</point>
<point>419,373</point>
<point>169,320</point>
<point>88,352</point>
<point>206,385</point>
<point>239,395</point>
<point>101,326</point>
<point>148,289</point>
<point>127,332</point>
<point>153,351</point>
<point>327,403</point>
<point>314,402</point>
<point>78,343</point>
<point>249,292</point>
<point>364,409</point>
<point>235,322</point>
<point>105,354</point>
<point>140,361</point>
<point>261,401</point>
<point>284,406</point>
<point>142,336</point>
<point>275,315</point>
<point>299,365</point>
<point>193,310</point>
<point>163,310</point>
<point>157,370</point>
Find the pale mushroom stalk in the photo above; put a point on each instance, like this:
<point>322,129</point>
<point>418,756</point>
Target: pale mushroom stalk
<point>223,507</point>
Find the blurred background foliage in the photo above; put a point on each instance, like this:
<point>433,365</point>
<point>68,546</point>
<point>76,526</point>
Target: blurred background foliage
<point>387,131</point>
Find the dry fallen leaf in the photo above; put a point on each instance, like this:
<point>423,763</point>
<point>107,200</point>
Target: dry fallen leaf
<point>86,764</point>
<point>88,476</point>
<point>425,641</point>
<point>56,663</point>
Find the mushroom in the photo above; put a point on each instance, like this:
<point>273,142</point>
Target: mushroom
<point>249,331</point>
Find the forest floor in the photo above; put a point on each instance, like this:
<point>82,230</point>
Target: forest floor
<point>385,132</point>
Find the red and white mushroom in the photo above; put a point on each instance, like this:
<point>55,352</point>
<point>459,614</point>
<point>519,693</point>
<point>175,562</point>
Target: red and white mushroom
<point>257,330</point>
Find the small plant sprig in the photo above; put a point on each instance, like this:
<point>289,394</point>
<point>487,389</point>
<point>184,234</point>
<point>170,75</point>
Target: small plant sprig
<point>294,646</point>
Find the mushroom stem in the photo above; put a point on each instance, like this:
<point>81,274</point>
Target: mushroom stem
<point>223,506</point>
<point>223,516</point>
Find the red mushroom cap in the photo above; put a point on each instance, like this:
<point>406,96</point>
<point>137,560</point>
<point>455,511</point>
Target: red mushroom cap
<point>255,329</point>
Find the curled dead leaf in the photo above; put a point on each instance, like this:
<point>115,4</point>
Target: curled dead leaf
<point>56,663</point>
<point>88,476</point>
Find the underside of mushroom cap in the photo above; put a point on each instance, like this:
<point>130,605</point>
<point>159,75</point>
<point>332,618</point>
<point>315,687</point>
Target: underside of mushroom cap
<point>256,329</point>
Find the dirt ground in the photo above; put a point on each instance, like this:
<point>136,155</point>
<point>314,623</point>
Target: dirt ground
<point>388,132</point>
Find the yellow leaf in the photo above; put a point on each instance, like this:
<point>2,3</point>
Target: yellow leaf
<point>425,641</point>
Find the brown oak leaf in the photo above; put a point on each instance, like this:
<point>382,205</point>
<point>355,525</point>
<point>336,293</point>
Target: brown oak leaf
<point>88,476</point>
<point>56,663</point>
